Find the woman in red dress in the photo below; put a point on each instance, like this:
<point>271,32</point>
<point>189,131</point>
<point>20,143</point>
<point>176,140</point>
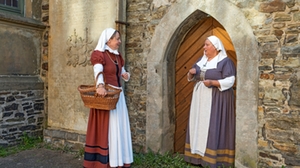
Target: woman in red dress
<point>108,137</point>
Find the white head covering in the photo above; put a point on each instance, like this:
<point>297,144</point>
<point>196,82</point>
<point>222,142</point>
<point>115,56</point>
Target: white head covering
<point>218,44</point>
<point>222,54</point>
<point>105,36</point>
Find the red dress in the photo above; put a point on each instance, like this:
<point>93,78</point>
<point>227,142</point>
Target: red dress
<point>96,153</point>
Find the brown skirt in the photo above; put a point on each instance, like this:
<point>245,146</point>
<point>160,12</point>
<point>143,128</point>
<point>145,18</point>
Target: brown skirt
<point>96,153</point>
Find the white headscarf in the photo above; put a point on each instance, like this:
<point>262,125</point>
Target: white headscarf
<point>222,54</point>
<point>218,44</point>
<point>105,36</point>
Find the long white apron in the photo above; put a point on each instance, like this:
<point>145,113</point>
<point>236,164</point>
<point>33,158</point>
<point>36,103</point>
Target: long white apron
<point>120,145</point>
<point>199,118</point>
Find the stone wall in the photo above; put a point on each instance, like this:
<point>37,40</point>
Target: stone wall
<point>138,37</point>
<point>64,138</point>
<point>44,52</point>
<point>275,27</point>
<point>279,105</point>
<point>21,88</point>
<point>21,112</point>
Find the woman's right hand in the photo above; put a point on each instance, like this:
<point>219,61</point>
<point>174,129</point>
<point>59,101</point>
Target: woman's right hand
<point>192,71</point>
<point>191,74</point>
<point>101,91</point>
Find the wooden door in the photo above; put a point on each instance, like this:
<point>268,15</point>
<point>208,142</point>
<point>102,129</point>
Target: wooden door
<point>191,49</point>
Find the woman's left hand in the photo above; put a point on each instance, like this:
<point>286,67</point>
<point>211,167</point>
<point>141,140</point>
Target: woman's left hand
<point>208,83</point>
<point>125,76</point>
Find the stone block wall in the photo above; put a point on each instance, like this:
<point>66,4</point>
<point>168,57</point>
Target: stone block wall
<point>279,105</point>
<point>21,112</point>
<point>64,138</point>
<point>142,19</point>
<point>22,103</point>
<point>275,25</point>
<point>44,53</point>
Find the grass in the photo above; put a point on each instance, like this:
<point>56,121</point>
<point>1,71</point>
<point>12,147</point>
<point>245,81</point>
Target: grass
<point>28,143</point>
<point>153,160</point>
<point>25,144</point>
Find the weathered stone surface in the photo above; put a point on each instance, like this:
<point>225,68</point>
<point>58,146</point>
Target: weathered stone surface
<point>45,7</point>
<point>291,38</point>
<point>59,134</point>
<point>11,107</point>
<point>290,3</point>
<point>273,6</point>
<point>289,148</point>
<point>267,76</point>
<point>279,25</point>
<point>294,49</point>
<point>267,39</point>
<point>284,123</point>
<point>278,33</point>
<point>296,16</point>
<point>265,155</point>
<point>292,160</point>
<point>295,94</point>
<point>282,17</point>
<point>72,136</point>
<point>266,64</point>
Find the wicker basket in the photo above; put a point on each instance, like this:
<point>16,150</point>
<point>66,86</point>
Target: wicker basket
<point>91,99</point>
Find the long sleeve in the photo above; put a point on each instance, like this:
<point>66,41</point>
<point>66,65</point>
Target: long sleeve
<point>229,73</point>
<point>226,83</point>
<point>98,68</point>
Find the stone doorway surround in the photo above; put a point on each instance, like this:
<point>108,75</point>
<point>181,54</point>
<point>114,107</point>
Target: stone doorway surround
<point>160,83</point>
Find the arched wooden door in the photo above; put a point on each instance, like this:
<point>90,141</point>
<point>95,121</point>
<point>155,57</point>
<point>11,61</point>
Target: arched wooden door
<point>190,50</point>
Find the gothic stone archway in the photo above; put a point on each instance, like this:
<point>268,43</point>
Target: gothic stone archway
<point>190,50</point>
<point>165,41</point>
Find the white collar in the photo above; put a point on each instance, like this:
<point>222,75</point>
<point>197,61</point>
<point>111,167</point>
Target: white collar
<point>212,64</point>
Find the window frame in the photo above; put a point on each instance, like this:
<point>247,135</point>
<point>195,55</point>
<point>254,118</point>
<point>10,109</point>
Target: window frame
<point>13,10</point>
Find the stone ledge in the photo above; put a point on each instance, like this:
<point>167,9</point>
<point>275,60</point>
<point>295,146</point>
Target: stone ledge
<point>21,83</point>
<point>21,21</point>
<point>61,137</point>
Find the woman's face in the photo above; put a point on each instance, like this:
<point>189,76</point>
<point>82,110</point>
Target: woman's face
<point>209,49</point>
<point>115,41</point>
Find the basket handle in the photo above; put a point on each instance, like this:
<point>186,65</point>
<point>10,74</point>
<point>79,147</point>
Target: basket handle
<point>96,94</point>
<point>98,77</point>
<point>108,93</point>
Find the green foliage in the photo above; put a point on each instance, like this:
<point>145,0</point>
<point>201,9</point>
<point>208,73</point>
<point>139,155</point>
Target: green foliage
<point>156,160</point>
<point>27,142</point>
<point>80,153</point>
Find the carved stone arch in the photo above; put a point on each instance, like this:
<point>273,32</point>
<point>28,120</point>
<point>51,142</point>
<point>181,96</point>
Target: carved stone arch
<point>166,39</point>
